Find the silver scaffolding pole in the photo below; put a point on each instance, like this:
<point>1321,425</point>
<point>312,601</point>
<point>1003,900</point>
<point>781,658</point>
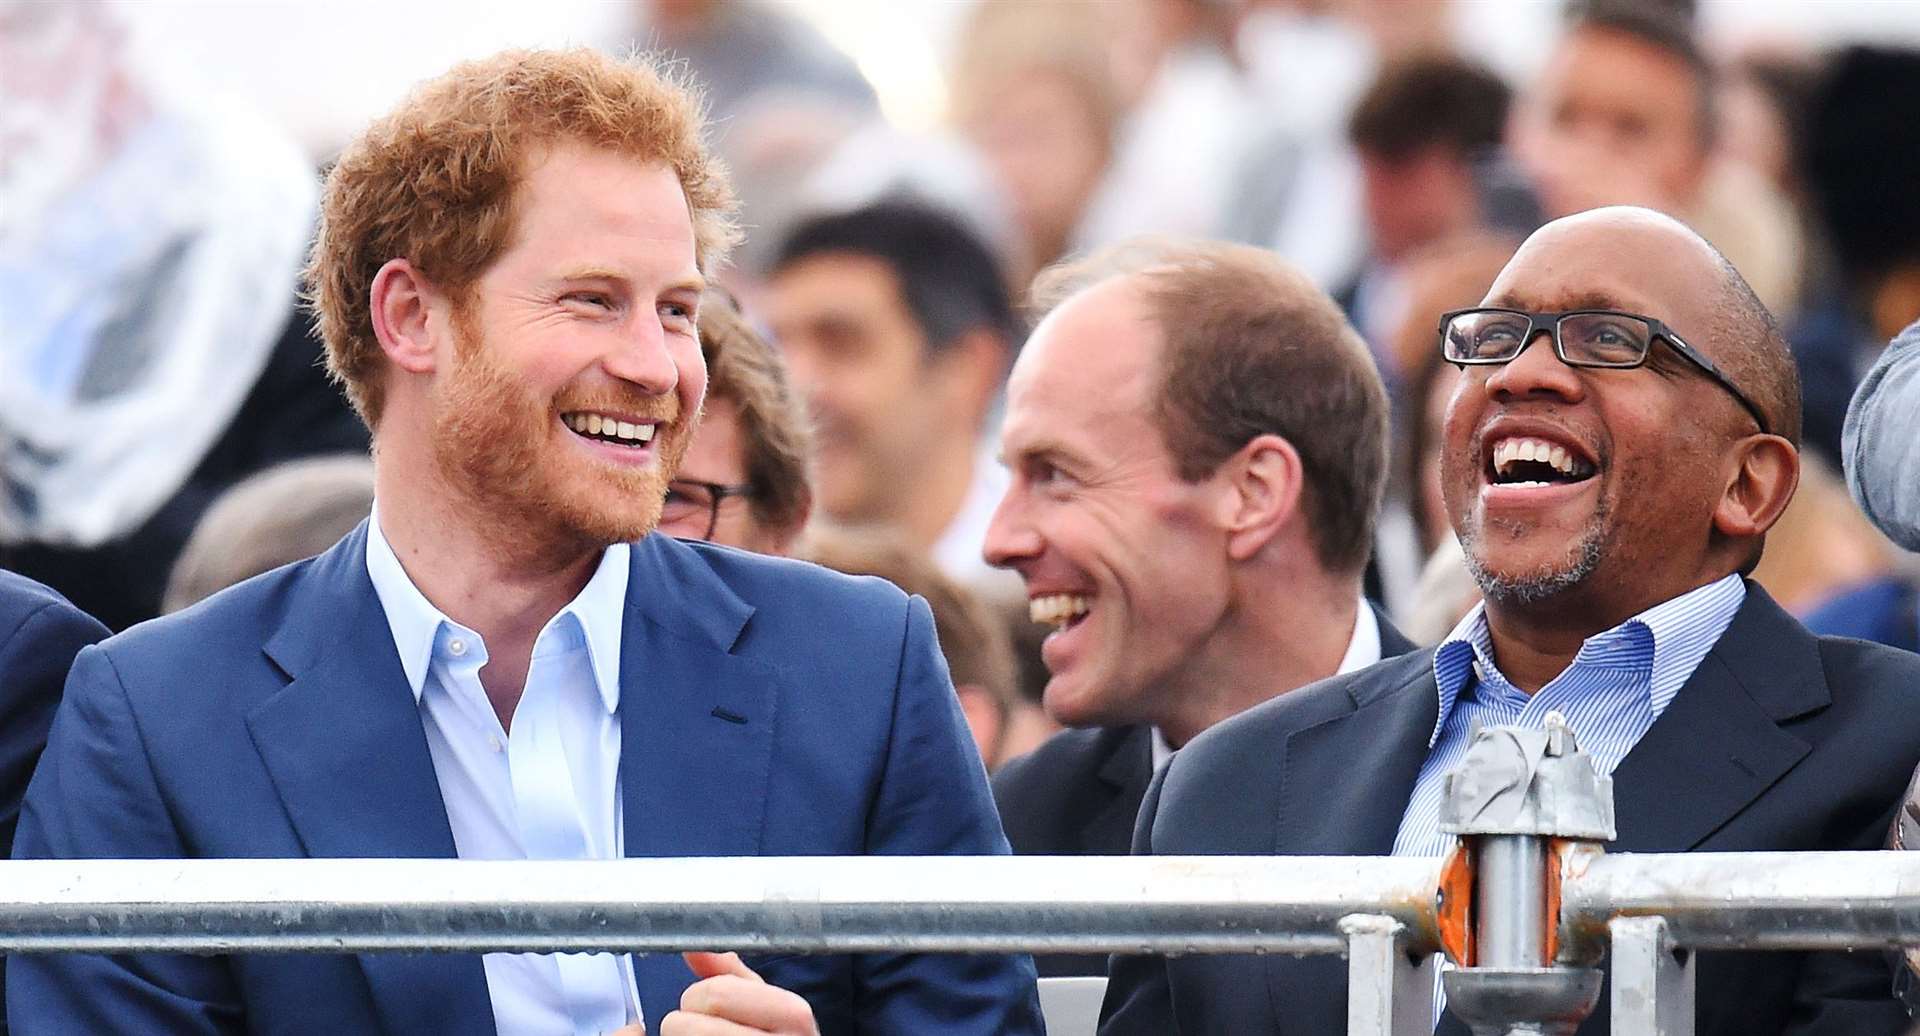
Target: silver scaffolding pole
<point>1171,905</point>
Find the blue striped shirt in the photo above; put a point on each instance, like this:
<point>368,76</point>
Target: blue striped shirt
<point>1618,684</point>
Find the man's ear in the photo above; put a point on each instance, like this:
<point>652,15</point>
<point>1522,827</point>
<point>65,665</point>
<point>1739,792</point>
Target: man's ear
<point>973,367</point>
<point>402,304</point>
<point>1263,482</point>
<point>1766,473</point>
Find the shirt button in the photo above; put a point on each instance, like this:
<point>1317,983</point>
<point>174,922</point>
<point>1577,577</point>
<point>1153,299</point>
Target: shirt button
<point>493,742</point>
<point>456,647</point>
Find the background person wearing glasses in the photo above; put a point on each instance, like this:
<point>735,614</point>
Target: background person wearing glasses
<point>747,480</point>
<point>1612,477</point>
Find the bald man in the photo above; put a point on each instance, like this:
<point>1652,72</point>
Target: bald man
<point>1624,434</point>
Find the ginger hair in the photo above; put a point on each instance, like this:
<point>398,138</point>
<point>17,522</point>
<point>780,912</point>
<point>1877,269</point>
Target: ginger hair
<point>435,181</point>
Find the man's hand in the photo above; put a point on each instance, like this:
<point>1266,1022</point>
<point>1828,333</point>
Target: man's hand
<point>731,1000</point>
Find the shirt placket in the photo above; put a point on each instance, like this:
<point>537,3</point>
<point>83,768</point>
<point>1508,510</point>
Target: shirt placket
<point>547,814</point>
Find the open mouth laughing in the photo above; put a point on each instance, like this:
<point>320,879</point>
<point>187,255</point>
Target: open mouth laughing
<point>1059,610</point>
<point>607,428</point>
<point>1532,462</point>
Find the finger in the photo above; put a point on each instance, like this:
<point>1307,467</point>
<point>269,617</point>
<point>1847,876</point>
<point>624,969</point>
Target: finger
<point>680,1023</point>
<point>636,1029</point>
<point>708,965</point>
<point>749,1002</point>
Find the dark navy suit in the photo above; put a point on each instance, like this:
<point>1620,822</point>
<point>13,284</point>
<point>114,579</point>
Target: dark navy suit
<point>1779,741</point>
<point>1078,793</point>
<point>39,635</point>
<point>767,708</point>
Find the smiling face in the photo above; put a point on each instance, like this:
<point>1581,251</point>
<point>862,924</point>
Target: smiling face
<point>1117,551</point>
<point>568,397</point>
<point>1597,487</point>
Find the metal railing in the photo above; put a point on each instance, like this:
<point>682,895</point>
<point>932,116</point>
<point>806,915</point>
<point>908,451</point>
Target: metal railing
<point>1389,916</point>
<point>1380,912</point>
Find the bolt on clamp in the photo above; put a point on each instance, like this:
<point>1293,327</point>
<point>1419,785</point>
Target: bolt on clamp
<point>1520,802</point>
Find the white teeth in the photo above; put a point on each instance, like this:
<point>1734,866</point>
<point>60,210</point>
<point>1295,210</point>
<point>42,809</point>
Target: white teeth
<point>1056,609</point>
<point>1508,451</point>
<point>596,424</point>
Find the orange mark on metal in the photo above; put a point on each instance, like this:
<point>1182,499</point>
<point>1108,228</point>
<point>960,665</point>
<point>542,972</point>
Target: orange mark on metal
<point>1453,910</point>
<point>1556,863</point>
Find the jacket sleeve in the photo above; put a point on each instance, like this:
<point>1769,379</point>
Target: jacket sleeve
<point>94,796</point>
<point>1139,996</point>
<point>34,660</point>
<point>933,800</point>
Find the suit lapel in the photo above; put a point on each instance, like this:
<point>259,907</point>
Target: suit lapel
<point>696,729</point>
<point>1124,775</point>
<point>1348,779</point>
<point>1719,744</point>
<point>344,747</point>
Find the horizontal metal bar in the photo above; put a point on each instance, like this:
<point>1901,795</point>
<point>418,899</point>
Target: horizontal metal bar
<point>1755,901</point>
<point>1172,905</point>
<point>1166,904</point>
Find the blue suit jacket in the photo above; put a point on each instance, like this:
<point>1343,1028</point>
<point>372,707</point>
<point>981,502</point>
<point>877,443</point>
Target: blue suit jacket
<point>767,708</point>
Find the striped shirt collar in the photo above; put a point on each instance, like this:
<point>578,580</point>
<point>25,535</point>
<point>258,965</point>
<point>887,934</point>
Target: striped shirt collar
<point>418,627</point>
<point>1667,642</point>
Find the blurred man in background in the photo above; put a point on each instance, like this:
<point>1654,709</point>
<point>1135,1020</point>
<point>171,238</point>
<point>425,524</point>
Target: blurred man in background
<point>747,480</point>
<point>898,328</point>
<point>1197,441</point>
<point>1623,113</point>
<point>1427,131</point>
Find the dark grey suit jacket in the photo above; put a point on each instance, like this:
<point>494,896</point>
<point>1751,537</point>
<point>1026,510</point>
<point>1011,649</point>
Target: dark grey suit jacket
<point>1078,794</point>
<point>1780,741</point>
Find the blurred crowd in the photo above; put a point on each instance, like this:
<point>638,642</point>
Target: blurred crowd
<point>156,357</point>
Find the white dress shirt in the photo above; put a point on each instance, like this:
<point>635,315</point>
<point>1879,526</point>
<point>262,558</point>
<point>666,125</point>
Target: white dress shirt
<point>1363,650</point>
<point>547,789</point>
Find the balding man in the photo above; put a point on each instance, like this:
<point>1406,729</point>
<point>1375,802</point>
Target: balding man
<point>1622,439</point>
<point>1197,441</point>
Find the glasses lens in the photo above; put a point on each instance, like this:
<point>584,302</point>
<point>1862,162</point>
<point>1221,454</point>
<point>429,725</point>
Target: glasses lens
<point>1604,339</point>
<point>1484,335</point>
<point>685,504</point>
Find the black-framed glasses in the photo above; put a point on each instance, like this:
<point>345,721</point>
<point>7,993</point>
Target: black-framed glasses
<point>695,504</point>
<point>1581,338</point>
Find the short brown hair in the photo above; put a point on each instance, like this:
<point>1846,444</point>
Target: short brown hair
<point>972,637</point>
<point>434,181</point>
<point>1253,348</point>
<point>1428,101</point>
<point>745,369</point>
